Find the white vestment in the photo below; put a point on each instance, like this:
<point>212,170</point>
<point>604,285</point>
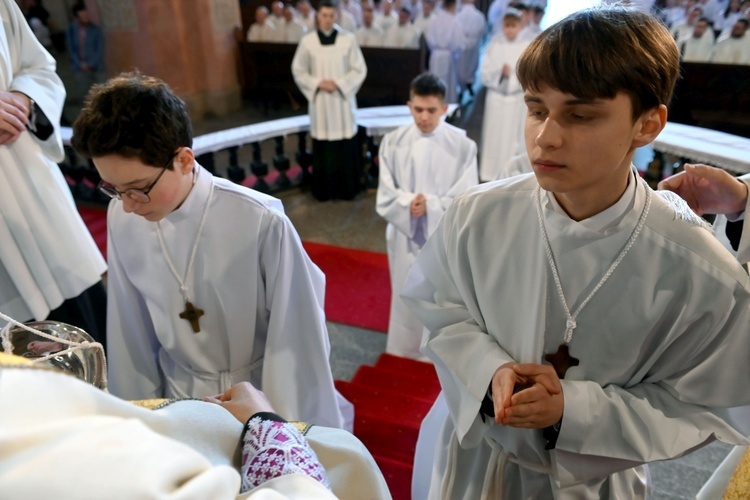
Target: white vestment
<point>439,165</point>
<point>354,8</point>
<point>732,51</point>
<point>332,114</point>
<point>403,36</point>
<point>99,446</point>
<point>504,108</point>
<point>475,26</point>
<point>266,32</point>
<point>294,30</point>
<point>370,37</point>
<point>653,345</point>
<point>347,22</point>
<point>699,50</point>
<point>309,21</point>
<point>422,23</point>
<point>386,21</point>
<point>262,297</point>
<point>445,39</point>
<point>47,254</point>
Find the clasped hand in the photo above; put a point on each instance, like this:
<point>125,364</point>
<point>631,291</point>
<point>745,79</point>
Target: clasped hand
<point>327,85</point>
<point>527,395</point>
<point>419,206</point>
<point>14,113</point>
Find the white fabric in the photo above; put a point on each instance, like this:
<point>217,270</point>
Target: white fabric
<point>422,23</point>
<point>331,114</point>
<point>702,145</point>
<point>294,30</point>
<point>732,51</point>
<point>309,21</point>
<point>698,49</point>
<point>347,22</point>
<point>403,36</point>
<point>504,109</point>
<point>439,165</point>
<point>47,254</point>
<point>370,37</point>
<point>445,39</point>
<point>475,27</point>
<point>62,438</point>
<point>681,31</point>
<point>652,383</point>
<point>262,297</point>
<point>266,32</point>
<point>386,21</point>
<point>354,8</point>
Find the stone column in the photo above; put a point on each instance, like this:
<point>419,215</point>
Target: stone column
<point>189,44</point>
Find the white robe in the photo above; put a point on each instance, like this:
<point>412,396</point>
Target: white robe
<point>504,109</point>
<point>445,39</point>
<point>732,51</point>
<point>422,23</point>
<point>332,115</point>
<point>440,165</point>
<point>266,32</point>
<point>293,31</point>
<point>475,26</point>
<point>402,37</point>
<point>47,254</point>
<point>699,50</point>
<point>653,346</point>
<point>370,37</point>
<point>99,446</point>
<point>386,21</point>
<point>262,296</point>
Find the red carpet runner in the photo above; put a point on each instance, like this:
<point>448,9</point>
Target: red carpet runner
<point>390,400</point>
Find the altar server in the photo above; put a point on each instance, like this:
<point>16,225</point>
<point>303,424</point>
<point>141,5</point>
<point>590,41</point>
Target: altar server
<point>474,25</point>
<point>423,166</point>
<point>328,67</point>
<point>208,282</point>
<point>445,39</point>
<point>504,110</point>
<point>581,324</point>
<point>50,266</point>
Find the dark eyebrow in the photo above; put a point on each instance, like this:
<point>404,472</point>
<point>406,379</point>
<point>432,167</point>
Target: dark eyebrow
<point>569,102</point>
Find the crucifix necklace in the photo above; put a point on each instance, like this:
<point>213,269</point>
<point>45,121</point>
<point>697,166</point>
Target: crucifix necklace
<point>191,313</point>
<point>562,360</point>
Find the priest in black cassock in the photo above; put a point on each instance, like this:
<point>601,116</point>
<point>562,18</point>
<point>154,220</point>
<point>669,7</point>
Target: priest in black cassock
<point>328,67</point>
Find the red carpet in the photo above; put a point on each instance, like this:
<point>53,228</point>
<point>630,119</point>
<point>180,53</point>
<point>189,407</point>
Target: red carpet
<point>390,400</point>
<point>358,287</point>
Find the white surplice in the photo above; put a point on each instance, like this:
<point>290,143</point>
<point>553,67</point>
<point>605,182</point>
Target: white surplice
<point>47,254</point>
<point>475,27</point>
<point>663,345</point>
<point>445,39</point>
<point>439,165</point>
<point>504,109</point>
<point>422,23</point>
<point>370,37</point>
<point>262,297</point>
<point>732,51</point>
<point>402,36</point>
<point>266,32</point>
<point>332,114</point>
<point>698,49</point>
<point>100,446</point>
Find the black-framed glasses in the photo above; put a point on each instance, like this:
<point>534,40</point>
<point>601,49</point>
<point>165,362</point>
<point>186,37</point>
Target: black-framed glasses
<point>139,195</point>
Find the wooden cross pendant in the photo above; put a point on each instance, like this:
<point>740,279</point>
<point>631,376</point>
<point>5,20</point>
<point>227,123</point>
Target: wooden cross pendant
<point>561,360</point>
<point>192,313</point>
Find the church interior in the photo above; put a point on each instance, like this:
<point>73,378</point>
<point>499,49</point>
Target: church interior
<point>198,48</point>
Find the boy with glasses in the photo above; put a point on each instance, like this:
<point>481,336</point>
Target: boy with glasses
<point>208,284</point>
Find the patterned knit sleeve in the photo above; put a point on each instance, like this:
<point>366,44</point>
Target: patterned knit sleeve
<point>276,448</point>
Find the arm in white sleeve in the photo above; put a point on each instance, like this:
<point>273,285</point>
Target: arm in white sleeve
<point>393,202</point>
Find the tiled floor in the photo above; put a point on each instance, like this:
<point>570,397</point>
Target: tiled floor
<point>355,224</point>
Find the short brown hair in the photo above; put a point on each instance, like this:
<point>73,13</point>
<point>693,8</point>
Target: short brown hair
<point>597,53</point>
<point>134,116</point>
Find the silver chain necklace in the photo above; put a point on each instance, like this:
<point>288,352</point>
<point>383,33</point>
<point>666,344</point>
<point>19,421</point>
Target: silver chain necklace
<point>570,323</point>
<point>191,313</point>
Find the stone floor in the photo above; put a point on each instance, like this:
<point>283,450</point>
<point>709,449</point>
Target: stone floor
<point>355,224</point>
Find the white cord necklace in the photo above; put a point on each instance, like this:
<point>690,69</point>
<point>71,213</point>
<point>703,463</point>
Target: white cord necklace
<point>191,313</point>
<point>570,322</point>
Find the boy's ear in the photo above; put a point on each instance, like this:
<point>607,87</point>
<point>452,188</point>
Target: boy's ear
<point>186,160</point>
<point>652,122</point>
